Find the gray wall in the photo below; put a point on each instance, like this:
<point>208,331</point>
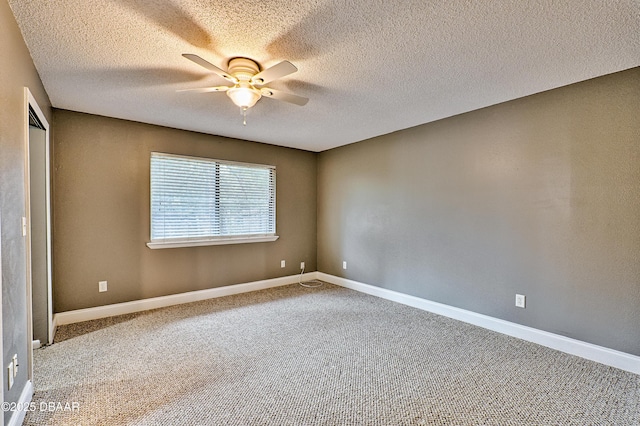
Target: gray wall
<point>101,214</point>
<point>538,196</point>
<point>16,72</point>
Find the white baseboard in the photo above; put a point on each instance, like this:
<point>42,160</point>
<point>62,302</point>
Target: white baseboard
<point>17,417</point>
<point>611,357</point>
<point>87,314</point>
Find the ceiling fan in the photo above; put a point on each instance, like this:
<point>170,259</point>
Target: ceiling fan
<point>248,81</point>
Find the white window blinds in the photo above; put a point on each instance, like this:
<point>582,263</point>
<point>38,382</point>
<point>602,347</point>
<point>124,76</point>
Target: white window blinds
<point>200,199</point>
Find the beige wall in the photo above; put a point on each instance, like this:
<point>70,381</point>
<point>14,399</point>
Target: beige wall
<point>101,214</point>
<point>538,196</point>
<point>16,72</point>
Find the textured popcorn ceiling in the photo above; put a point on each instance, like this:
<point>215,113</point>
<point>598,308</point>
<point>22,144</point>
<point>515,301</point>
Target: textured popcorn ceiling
<point>369,67</point>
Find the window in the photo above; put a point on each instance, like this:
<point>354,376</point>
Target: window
<point>199,201</point>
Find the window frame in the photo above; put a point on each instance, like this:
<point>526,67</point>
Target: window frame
<point>162,243</point>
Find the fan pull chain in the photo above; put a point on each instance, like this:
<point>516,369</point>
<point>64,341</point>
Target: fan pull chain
<point>244,116</point>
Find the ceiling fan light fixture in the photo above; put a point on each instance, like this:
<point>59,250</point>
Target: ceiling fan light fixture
<point>245,75</point>
<point>244,95</point>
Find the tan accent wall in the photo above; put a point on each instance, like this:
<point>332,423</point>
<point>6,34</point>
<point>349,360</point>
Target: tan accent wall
<point>101,214</point>
<point>538,196</point>
<point>17,71</point>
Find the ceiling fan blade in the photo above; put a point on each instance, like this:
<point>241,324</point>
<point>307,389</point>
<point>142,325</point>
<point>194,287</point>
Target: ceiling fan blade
<point>284,96</point>
<point>208,65</point>
<point>274,72</point>
<point>206,89</point>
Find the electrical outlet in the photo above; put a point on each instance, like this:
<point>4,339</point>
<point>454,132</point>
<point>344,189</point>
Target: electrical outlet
<point>344,264</point>
<point>102,286</point>
<point>283,263</point>
<point>301,265</point>
<point>520,300</point>
<point>10,375</point>
<point>14,360</point>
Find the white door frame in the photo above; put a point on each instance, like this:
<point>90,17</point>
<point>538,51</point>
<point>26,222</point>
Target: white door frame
<point>30,102</point>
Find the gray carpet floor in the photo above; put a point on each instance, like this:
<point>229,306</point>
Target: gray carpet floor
<point>323,356</point>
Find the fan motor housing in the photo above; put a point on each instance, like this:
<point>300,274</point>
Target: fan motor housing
<point>243,68</point>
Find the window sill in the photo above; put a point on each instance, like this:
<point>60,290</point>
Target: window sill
<point>213,242</point>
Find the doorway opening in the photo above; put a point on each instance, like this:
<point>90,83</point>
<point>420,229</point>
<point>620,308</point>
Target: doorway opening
<point>38,224</point>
